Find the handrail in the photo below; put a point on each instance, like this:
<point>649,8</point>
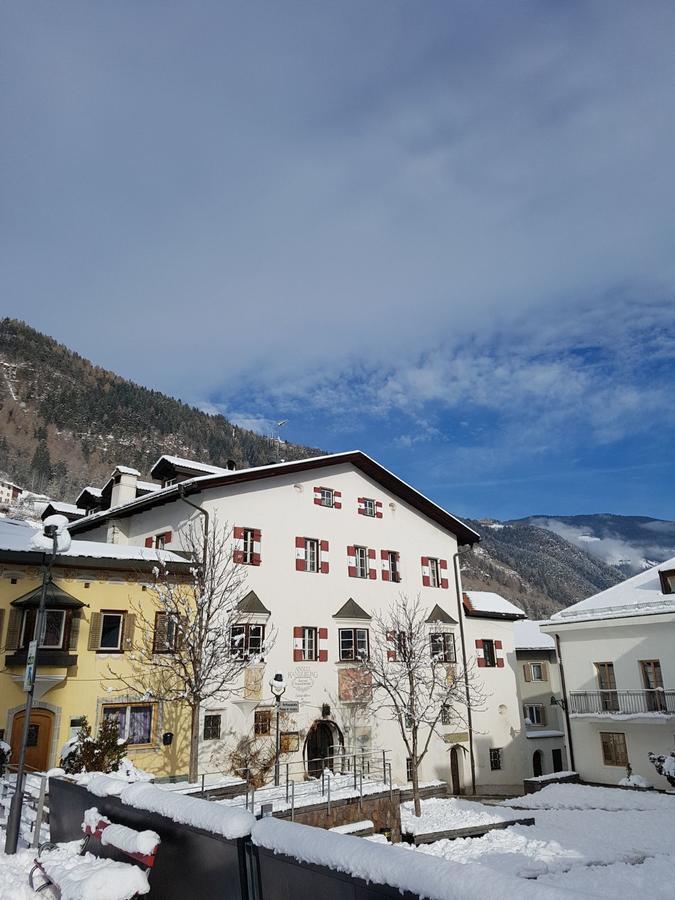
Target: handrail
<point>611,700</point>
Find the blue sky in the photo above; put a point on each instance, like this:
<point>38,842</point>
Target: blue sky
<point>441,232</point>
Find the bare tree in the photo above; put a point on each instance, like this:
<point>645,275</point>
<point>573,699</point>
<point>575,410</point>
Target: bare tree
<point>415,678</point>
<point>190,653</point>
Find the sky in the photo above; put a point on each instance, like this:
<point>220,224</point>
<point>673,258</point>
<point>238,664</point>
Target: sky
<point>441,232</point>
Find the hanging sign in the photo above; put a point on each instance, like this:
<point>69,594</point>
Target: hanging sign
<point>30,666</point>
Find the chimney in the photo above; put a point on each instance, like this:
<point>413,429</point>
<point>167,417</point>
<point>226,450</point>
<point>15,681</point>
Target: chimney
<point>124,485</point>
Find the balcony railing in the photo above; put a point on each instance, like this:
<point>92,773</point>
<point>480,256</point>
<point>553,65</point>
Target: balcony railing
<point>622,702</point>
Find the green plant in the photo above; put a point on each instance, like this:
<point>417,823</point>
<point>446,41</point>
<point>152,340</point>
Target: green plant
<point>101,754</point>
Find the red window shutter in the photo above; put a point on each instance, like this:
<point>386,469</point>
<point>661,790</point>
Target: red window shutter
<point>443,563</point>
<point>372,571</point>
<point>297,631</point>
<point>300,562</point>
<point>323,634</point>
<point>167,537</point>
<point>238,533</point>
<point>325,568</point>
<point>323,545</point>
<point>371,553</point>
<point>297,651</point>
<point>297,655</point>
<point>317,496</point>
<point>498,645</point>
<point>351,551</point>
<point>257,534</point>
<point>352,571</point>
<point>323,655</point>
<point>361,509</point>
<point>384,555</point>
<point>255,559</point>
<point>300,543</point>
<point>337,498</point>
<point>426,581</point>
<point>425,560</point>
<point>378,509</point>
<point>445,583</point>
<point>372,574</point>
<point>500,662</point>
<point>238,556</point>
<point>148,542</point>
<point>391,654</point>
<point>300,565</point>
<point>481,662</point>
<point>479,644</point>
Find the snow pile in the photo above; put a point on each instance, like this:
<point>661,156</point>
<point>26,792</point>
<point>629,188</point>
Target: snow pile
<point>582,796</point>
<point>351,827</point>
<point>91,819</point>
<point>89,878</point>
<point>214,817</point>
<point>5,748</point>
<point>130,841</point>
<point>128,770</point>
<point>101,785</point>
<point>447,815</point>
<point>388,864</point>
<point>551,776</point>
<point>40,541</point>
<point>636,781</point>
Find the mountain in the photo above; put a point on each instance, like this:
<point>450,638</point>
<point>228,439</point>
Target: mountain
<point>66,423</point>
<point>537,569</point>
<point>629,543</point>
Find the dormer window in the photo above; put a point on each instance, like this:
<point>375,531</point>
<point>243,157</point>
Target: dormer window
<point>667,581</point>
<point>168,482</point>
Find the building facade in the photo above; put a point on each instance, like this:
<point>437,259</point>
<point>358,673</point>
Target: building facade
<point>93,601</point>
<point>326,544</point>
<point>616,654</point>
<point>538,677</point>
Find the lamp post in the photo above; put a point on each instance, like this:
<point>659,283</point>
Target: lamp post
<point>53,529</point>
<point>278,686</point>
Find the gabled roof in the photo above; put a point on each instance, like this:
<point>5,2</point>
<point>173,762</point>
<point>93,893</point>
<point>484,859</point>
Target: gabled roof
<point>641,595</point>
<point>166,465</point>
<point>528,636</point>
<point>351,610</point>
<point>439,615</point>
<point>252,604</point>
<point>55,597</point>
<point>69,510</point>
<point>357,458</point>
<point>488,605</point>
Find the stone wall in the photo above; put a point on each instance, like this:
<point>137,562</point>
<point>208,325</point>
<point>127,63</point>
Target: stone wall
<point>382,809</point>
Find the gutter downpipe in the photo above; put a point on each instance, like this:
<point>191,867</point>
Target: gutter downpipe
<point>469,718</point>
<point>566,706</point>
<point>202,512</point>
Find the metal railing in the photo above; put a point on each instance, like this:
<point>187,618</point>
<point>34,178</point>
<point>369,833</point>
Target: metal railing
<point>343,773</point>
<point>34,813</point>
<point>622,702</point>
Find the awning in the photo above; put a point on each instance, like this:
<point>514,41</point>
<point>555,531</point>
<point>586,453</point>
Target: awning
<point>56,598</point>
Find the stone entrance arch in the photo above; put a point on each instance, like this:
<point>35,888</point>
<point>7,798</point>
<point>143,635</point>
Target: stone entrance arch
<point>324,740</point>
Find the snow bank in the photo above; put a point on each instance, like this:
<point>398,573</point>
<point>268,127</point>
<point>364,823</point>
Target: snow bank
<point>89,878</point>
<point>130,841</point>
<point>582,796</point>
<point>101,785</point>
<point>229,822</point>
<point>636,781</point>
<point>388,864</point>
<point>551,776</point>
<point>445,815</point>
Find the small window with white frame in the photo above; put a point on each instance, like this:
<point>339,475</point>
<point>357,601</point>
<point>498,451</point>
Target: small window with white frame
<point>354,643</point>
<point>309,644</point>
<point>537,671</point>
<point>361,559</point>
<point>112,629</point>
<point>443,647</point>
<point>134,721</point>
<point>327,496</point>
<point>311,555</point>
<point>369,507</point>
<point>434,573</point>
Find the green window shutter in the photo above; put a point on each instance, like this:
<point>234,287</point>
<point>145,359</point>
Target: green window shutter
<point>129,628</point>
<point>95,625</point>
<point>74,630</point>
<point>14,629</point>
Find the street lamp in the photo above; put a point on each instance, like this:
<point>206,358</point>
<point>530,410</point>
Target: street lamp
<point>277,686</point>
<point>54,537</point>
<point>561,703</point>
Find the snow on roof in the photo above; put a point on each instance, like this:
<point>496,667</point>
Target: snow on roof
<point>16,537</point>
<point>640,595</point>
<point>59,506</point>
<point>181,463</point>
<point>528,636</point>
<point>148,486</point>
<point>486,602</point>
<point>94,491</point>
<point>127,470</point>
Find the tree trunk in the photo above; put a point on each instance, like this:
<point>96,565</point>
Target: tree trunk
<point>416,785</point>
<point>193,773</point>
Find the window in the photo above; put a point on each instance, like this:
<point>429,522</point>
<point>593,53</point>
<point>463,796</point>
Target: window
<point>652,679</point>
<point>443,647</point>
<point>609,699</point>
<point>614,751</point>
<point>667,581</point>
<point>111,631</point>
<point>211,726</point>
<point>52,632</point>
<point>361,557</point>
<point>326,497</point>
<point>308,648</point>
<point>354,643</point>
<point>537,671</point>
<point>134,721</point>
<point>311,555</point>
<point>446,715</point>
<point>247,640</point>
<point>262,721</point>
<point>408,769</point>
<point>368,507</point>
<point>434,573</point>
<point>534,713</point>
<point>394,573</point>
<point>489,653</point>
<point>248,546</point>
<point>166,633</point>
<point>495,759</point>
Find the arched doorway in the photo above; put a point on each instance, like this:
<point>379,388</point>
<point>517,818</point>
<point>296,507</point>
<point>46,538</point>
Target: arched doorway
<point>454,771</point>
<point>39,739</point>
<point>324,738</point>
<point>537,767</point>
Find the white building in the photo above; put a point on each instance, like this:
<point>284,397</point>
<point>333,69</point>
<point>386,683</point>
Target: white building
<point>327,542</point>
<point>9,492</point>
<point>538,676</point>
<point>618,665</point>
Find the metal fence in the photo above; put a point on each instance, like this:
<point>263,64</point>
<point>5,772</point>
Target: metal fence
<point>34,811</point>
<point>626,702</point>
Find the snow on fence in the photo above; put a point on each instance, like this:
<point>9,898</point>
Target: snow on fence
<point>34,827</point>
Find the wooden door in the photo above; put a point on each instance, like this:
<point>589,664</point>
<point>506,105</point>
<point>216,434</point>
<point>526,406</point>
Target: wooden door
<point>39,739</point>
<point>609,699</point>
<point>652,679</point>
<point>454,771</point>
<point>537,767</point>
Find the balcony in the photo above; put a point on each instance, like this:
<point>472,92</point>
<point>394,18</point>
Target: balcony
<point>622,703</point>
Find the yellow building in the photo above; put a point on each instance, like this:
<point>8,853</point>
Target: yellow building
<point>94,599</point>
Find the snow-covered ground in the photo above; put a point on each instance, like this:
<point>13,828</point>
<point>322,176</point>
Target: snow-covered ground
<point>442,815</point>
<point>586,840</point>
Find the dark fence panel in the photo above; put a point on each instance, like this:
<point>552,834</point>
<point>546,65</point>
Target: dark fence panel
<point>280,877</point>
<point>191,863</point>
